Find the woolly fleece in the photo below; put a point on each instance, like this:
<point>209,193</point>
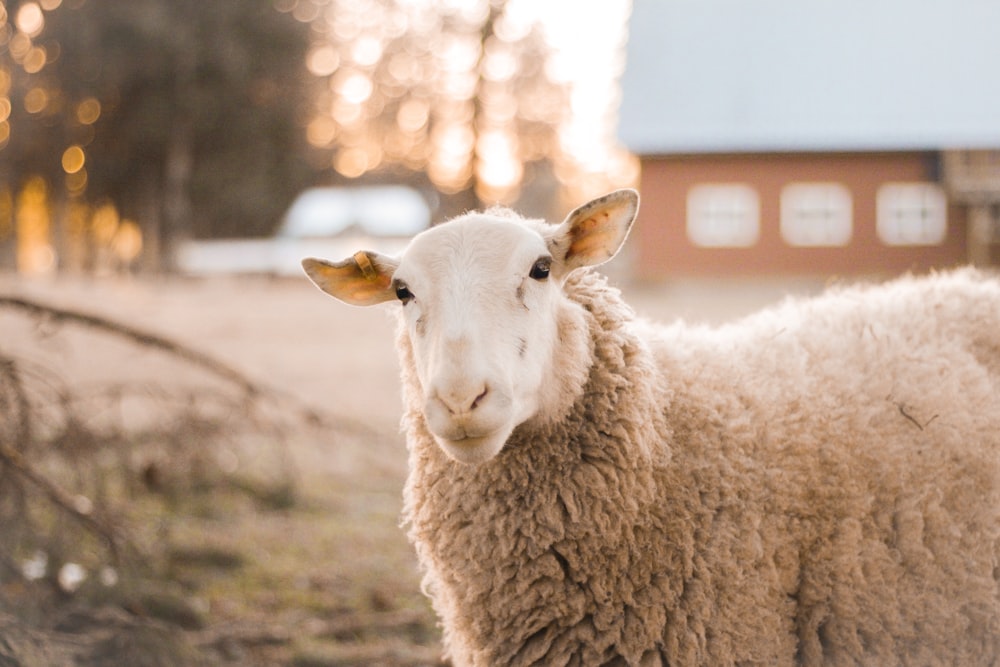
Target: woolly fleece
<point>816,484</point>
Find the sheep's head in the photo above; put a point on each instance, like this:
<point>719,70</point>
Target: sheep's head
<point>480,296</point>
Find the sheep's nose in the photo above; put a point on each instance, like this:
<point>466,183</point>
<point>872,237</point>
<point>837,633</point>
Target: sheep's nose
<point>462,401</point>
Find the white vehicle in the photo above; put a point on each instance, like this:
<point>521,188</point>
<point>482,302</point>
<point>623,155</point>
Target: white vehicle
<point>328,222</point>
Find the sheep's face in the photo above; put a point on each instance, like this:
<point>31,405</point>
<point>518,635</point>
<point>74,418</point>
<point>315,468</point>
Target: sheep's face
<point>480,299</point>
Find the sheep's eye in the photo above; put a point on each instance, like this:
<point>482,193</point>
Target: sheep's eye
<point>540,269</point>
<point>403,292</point>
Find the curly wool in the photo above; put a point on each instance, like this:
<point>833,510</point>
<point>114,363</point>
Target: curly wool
<point>817,484</point>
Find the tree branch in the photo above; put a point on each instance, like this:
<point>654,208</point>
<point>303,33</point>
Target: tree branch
<point>58,497</point>
<point>147,338</point>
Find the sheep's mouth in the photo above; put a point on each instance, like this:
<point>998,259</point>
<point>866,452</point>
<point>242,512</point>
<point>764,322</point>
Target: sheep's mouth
<point>472,450</point>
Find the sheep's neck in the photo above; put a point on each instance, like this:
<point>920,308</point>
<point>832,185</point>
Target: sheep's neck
<point>499,540</point>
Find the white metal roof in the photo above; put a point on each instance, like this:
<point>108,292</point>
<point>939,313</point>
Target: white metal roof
<point>771,75</point>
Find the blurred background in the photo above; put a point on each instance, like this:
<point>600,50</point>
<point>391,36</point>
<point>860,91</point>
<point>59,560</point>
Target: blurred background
<point>832,139</point>
<point>200,460</point>
<point>130,129</point>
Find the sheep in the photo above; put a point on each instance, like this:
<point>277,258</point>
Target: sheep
<point>815,484</point>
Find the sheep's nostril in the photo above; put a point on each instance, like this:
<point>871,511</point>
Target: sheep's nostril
<point>459,403</point>
<point>475,402</point>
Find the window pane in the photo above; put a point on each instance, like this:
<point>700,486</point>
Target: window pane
<point>816,214</point>
<point>911,214</point>
<point>723,215</point>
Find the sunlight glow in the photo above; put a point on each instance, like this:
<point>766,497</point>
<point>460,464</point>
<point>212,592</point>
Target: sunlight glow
<point>33,221</point>
<point>127,241</point>
<point>355,87</point>
<point>323,60</point>
<point>481,95</point>
<point>414,80</point>
<point>30,19</point>
<point>104,223</point>
<point>321,131</point>
<point>413,115</point>
<point>366,51</point>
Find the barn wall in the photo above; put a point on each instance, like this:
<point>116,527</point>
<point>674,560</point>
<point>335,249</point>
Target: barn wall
<point>664,249</point>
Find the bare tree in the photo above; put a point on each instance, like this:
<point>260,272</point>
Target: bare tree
<point>460,91</point>
<point>184,114</point>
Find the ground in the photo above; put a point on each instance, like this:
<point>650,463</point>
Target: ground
<point>326,578</point>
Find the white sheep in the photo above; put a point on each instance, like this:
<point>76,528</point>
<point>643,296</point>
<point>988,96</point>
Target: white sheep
<point>816,484</point>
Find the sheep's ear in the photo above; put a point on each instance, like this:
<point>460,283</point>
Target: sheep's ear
<point>363,279</point>
<point>593,233</point>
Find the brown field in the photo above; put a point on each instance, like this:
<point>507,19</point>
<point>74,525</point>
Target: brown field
<point>328,578</point>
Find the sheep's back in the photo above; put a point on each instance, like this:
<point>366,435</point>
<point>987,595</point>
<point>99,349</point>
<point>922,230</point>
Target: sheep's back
<point>859,434</point>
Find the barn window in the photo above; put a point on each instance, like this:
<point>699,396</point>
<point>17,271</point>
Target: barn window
<point>816,214</point>
<point>911,214</point>
<point>725,215</point>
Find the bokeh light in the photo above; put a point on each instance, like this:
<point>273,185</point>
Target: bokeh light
<point>30,19</point>
<point>88,111</point>
<point>476,97</point>
<point>127,241</point>
<point>323,60</point>
<point>34,60</point>
<point>470,91</point>
<point>35,100</point>
<point>104,223</point>
<point>35,254</point>
<point>73,159</point>
<point>76,182</point>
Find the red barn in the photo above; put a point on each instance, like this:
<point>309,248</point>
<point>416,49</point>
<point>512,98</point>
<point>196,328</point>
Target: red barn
<point>834,138</point>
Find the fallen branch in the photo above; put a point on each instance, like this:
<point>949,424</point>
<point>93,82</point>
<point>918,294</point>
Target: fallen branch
<point>136,335</point>
<point>58,497</point>
<point>143,337</point>
<point>10,378</point>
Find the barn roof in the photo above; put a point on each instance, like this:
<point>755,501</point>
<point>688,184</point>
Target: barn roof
<point>775,75</point>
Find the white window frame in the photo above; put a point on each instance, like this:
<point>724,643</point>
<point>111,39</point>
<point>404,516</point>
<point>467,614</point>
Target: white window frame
<point>817,215</point>
<point>911,214</point>
<point>984,222</point>
<point>723,215</point>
